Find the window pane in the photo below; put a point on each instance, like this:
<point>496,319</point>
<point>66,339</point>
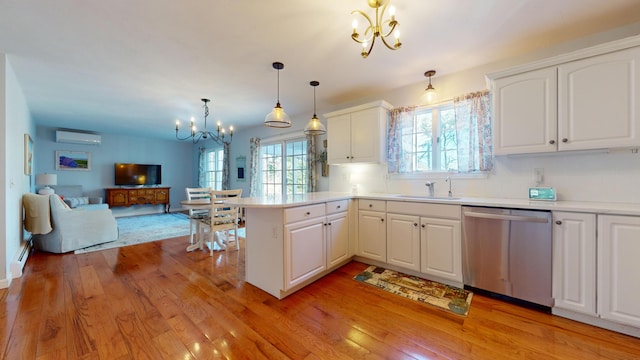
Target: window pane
<point>284,172</point>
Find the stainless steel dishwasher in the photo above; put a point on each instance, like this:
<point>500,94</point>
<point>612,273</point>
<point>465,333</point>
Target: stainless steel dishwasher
<point>508,252</point>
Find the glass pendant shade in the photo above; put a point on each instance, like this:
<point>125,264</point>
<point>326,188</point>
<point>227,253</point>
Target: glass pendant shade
<point>277,118</point>
<point>430,94</point>
<point>314,127</point>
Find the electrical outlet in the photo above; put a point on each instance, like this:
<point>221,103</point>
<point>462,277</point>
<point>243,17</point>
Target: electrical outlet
<point>538,175</point>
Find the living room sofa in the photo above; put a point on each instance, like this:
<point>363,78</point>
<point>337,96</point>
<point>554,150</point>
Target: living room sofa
<point>74,196</point>
<point>57,228</point>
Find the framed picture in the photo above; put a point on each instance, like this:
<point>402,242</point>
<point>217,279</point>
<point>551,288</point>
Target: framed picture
<point>28,155</point>
<point>73,160</point>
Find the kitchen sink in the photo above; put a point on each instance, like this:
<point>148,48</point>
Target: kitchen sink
<point>427,197</point>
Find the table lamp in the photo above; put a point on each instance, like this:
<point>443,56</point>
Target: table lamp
<point>46,180</point>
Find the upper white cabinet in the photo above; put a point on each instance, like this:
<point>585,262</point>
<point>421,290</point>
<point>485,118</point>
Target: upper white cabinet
<point>525,112</point>
<point>357,134</point>
<point>598,101</point>
<point>583,100</point>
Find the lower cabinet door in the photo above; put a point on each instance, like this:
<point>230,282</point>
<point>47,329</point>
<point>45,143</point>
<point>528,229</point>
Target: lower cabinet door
<point>618,268</point>
<point>337,238</point>
<point>403,241</point>
<point>372,235</point>
<point>574,262</point>
<point>441,248</point>
<point>304,251</point>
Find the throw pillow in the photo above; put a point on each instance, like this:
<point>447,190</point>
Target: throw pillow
<point>71,201</point>
<point>74,202</point>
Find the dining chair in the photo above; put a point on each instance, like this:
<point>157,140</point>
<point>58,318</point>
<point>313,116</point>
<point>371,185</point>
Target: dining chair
<point>197,214</point>
<point>222,218</point>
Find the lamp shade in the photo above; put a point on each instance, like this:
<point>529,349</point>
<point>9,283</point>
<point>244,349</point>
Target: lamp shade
<point>277,118</point>
<point>315,127</point>
<point>46,180</point>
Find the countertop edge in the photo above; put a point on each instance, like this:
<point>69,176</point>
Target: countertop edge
<point>560,205</point>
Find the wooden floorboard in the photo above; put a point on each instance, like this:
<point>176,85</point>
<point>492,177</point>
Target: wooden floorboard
<point>156,301</point>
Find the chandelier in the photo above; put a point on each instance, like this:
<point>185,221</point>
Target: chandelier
<point>377,29</point>
<point>195,136</point>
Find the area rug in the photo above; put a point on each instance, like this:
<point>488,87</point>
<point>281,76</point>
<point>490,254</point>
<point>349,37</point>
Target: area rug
<point>443,296</point>
<point>145,228</point>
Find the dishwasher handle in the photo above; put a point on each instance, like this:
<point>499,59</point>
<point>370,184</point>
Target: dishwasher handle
<point>483,215</point>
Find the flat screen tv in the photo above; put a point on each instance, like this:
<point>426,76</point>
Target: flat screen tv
<point>137,174</point>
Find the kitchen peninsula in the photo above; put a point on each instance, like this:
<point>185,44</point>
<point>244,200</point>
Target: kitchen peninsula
<point>294,241</point>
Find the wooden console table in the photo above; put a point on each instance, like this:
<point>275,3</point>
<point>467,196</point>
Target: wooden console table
<point>138,196</point>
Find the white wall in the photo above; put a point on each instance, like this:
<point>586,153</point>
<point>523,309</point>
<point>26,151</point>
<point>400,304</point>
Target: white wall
<point>15,121</point>
<point>174,156</point>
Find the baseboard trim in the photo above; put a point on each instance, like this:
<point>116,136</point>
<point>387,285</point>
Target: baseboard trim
<point>17,265</point>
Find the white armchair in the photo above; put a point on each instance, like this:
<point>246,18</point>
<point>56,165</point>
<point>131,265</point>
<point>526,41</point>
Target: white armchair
<point>57,228</point>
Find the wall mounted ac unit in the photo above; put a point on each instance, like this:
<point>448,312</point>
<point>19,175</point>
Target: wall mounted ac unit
<point>78,138</point>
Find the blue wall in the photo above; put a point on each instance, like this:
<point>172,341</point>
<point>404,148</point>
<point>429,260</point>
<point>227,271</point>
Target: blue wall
<point>176,158</point>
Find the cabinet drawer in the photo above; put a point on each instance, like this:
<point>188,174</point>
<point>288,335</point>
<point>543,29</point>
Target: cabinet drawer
<point>303,212</point>
<point>425,209</point>
<point>374,205</point>
<point>337,206</point>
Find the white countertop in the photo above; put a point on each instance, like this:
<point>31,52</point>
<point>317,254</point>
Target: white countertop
<point>317,197</point>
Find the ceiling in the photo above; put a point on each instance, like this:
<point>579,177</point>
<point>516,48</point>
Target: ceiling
<point>135,67</point>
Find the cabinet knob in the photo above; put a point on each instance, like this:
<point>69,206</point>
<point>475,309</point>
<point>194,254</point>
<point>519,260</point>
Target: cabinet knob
<point>415,224</point>
<point>558,222</point>
<point>565,140</point>
<point>329,224</point>
<point>338,207</point>
<point>382,220</point>
<point>308,213</point>
<point>370,205</point>
<point>422,226</point>
<point>552,142</point>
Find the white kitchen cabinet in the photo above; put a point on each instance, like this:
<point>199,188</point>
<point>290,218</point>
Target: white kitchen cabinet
<point>574,262</point>
<point>618,269</point>
<point>403,241</point>
<point>598,101</point>
<point>305,253</point>
<point>441,248</point>
<point>585,103</point>
<point>426,237</point>
<point>357,134</point>
<point>372,230</point>
<point>525,112</point>
<point>337,233</point>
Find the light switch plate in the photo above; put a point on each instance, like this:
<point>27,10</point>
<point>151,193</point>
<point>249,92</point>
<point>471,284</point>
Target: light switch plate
<point>542,193</point>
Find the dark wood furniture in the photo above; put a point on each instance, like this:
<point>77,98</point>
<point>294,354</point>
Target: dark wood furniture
<point>138,196</point>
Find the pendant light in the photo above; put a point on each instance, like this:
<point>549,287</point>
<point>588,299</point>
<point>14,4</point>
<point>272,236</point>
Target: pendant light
<point>314,127</point>
<point>277,118</point>
<point>430,91</point>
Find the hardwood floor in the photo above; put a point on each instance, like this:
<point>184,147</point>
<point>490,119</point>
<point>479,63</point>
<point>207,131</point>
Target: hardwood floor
<point>155,301</point>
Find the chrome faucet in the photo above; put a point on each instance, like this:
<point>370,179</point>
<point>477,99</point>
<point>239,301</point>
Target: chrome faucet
<point>448,179</point>
<point>431,186</point>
